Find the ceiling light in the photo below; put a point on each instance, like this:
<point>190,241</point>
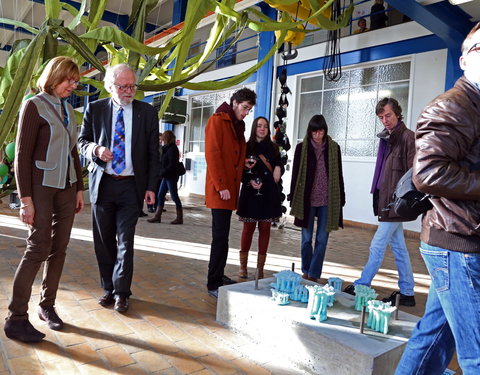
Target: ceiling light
<point>456,2</point>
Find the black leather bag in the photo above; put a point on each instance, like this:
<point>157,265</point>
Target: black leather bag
<point>181,168</point>
<point>408,202</point>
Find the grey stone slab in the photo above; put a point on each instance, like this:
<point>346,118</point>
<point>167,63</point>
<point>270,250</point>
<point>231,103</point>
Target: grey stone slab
<point>333,347</point>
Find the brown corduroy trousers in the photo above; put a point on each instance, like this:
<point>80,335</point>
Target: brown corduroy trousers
<point>47,242</point>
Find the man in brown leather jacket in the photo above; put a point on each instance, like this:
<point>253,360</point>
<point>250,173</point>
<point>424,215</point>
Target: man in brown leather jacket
<point>447,166</point>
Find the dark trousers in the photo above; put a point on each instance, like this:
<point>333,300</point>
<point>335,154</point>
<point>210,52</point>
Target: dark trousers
<point>219,248</point>
<point>114,217</point>
<point>46,242</point>
<point>169,185</point>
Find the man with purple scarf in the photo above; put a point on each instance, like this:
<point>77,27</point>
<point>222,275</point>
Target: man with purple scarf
<point>395,157</point>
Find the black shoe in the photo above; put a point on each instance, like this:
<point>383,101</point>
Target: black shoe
<point>22,330</point>
<point>142,214</point>
<point>227,281</point>
<point>106,300</point>
<point>350,289</point>
<point>151,209</point>
<point>121,304</point>
<point>213,292</point>
<point>404,300</point>
<point>49,315</point>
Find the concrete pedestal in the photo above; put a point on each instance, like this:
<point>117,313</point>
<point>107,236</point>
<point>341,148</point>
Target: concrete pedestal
<point>333,347</point>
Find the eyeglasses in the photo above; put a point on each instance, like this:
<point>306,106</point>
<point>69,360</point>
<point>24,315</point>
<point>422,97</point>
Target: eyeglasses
<point>126,87</point>
<point>474,48</point>
<point>246,108</point>
<point>73,82</point>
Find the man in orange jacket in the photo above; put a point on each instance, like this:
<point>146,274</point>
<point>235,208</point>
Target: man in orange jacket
<point>225,149</point>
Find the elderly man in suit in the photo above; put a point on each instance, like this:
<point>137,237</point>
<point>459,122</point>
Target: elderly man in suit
<point>119,137</point>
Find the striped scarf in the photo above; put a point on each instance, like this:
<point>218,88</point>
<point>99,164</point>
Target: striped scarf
<point>334,204</point>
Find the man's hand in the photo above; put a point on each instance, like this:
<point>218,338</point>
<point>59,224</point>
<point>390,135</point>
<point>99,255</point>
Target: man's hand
<point>224,194</point>
<point>149,197</point>
<point>104,154</point>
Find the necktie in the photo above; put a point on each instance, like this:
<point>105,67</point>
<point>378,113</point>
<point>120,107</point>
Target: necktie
<point>118,162</point>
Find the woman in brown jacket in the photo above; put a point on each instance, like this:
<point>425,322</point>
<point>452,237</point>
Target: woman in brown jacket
<point>50,186</point>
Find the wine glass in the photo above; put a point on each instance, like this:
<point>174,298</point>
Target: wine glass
<point>258,181</point>
<point>251,161</point>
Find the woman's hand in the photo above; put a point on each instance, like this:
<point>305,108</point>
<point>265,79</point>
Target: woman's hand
<point>27,210</point>
<point>80,204</point>
<point>250,163</point>
<point>255,185</point>
<point>277,174</point>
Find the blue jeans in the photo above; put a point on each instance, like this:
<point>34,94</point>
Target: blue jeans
<point>312,261</point>
<point>168,184</point>
<point>389,233</point>
<point>452,316</point>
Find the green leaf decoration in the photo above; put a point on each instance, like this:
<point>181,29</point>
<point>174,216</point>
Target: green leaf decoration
<point>78,15</point>
<point>79,46</point>
<point>20,83</point>
<point>23,25</point>
<point>52,9</point>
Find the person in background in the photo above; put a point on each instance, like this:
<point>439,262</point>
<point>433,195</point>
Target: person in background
<point>362,26</point>
<point>119,137</point>
<point>169,179</point>
<point>225,156</point>
<point>378,18</point>
<point>446,165</point>
<point>259,202</point>
<point>395,157</point>
<point>50,187</point>
<point>153,207</point>
<point>317,190</point>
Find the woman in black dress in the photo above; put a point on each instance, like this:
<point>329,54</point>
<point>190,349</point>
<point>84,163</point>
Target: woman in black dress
<point>259,197</point>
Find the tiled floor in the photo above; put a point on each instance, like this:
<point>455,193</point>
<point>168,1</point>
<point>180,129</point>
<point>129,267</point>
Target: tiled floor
<point>170,327</point>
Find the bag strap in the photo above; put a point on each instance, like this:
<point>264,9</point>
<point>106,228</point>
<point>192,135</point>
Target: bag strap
<point>265,161</point>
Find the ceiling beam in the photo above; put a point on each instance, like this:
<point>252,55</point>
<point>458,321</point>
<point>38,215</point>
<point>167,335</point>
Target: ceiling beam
<point>8,36</point>
<point>120,20</point>
<point>446,21</point>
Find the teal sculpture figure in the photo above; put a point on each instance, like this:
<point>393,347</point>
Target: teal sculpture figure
<point>336,282</point>
<point>319,298</point>
<point>280,298</point>
<point>363,294</point>
<point>379,315</point>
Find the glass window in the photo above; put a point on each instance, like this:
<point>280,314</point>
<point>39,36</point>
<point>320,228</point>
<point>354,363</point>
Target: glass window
<point>312,84</point>
<point>349,104</point>
<point>202,107</point>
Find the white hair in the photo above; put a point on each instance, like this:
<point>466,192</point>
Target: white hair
<point>113,71</point>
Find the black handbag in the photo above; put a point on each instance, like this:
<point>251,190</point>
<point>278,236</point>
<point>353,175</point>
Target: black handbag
<point>408,202</point>
<point>181,168</point>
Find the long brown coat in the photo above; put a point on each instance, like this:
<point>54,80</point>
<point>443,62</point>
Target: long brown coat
<point>225,156</point>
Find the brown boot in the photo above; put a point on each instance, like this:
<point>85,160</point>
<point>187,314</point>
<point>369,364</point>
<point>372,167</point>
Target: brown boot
<point>243,272</point>
<point>158,216</point>
<point>179,218</point>
<point>260,264</point>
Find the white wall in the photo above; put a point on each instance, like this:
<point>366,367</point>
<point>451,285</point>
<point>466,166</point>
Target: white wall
<point>427,81</point>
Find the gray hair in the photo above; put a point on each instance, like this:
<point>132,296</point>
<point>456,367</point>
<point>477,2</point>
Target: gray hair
<point>113,71</point>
